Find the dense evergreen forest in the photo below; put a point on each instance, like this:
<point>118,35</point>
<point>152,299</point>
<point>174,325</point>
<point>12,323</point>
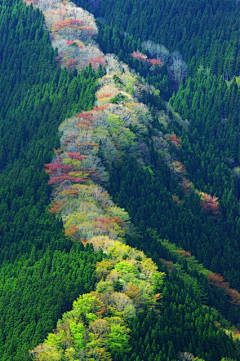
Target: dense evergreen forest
<point>42,272</point>
<point>205,32</point>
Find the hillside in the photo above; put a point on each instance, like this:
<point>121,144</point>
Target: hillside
<point>207,101</point>
<point>107,139</point>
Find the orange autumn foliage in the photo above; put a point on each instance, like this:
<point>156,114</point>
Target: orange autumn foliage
<point>87,144</point>
<point>158,296</point>
<point>101,107</point>
<point>119,221</point>
<point>133,292</point>
<point>95,62</point>
<point>67,23</point>
<point>84,242</point>
<point>235,296</point>
<point>55,208</point>
<point>71,231</point>
<point>169,264</point>
<point>183,253</point>
<point>218,281</point>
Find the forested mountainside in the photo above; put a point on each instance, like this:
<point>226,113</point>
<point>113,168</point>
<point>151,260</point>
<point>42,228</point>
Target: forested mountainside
<point>107,139</point>
<point>207,100</point>
<point>205,32</point>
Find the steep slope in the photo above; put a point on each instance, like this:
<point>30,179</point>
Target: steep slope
<point>93,142</point>
<point>208,102</point>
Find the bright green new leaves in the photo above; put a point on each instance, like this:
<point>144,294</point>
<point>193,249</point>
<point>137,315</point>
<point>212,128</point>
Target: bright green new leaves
<point>56,340</point>
<point>118,339</point>
<point>86,335</point>
<point>128,272</point>
<point>125,268</point>
<point>97,324</point>
<point>83,305</point>
<point>77,331</point>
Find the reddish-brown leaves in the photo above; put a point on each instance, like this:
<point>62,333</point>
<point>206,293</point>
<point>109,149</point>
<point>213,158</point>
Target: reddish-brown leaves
<point>51,168</point>
<point>155,62</point>
<point>218,281</point>
<point>183,252</point>
<point>60,179</point>
<point>86,116</point>
<point>70,63</point>
<point>210,204</point>
<point>175,140</point>
<point>71,231</point>
<point>142,57</point>
<point>67,23</point>
<point>87,144</point>
<point>55,208</point>
<point>101,107</point>
<point>84,242</point>
<point>186,185</point>
<point>95,62</point>
<point>76,155</point>
<point>176,199</point>
<point>169,264</point>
